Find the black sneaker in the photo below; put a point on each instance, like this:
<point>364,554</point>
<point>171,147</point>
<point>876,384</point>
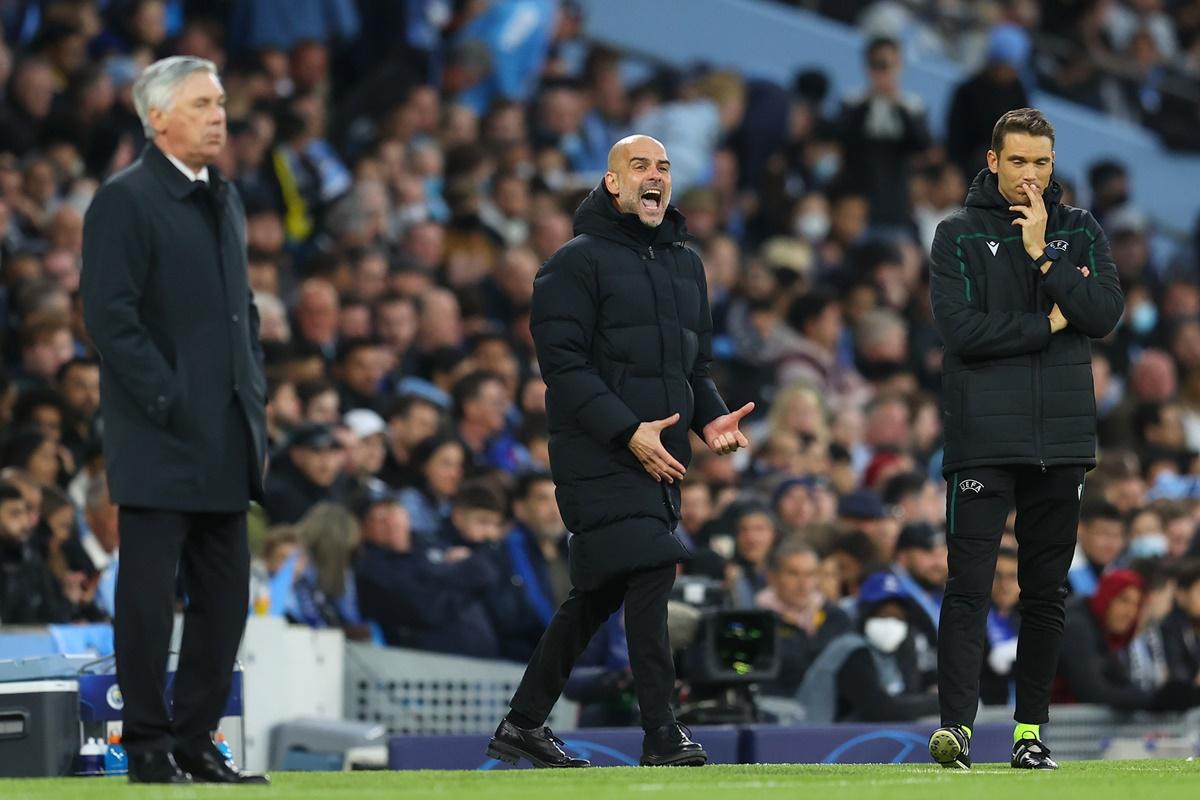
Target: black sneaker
<point>951,747</point>
<point>671,746</point>
<point>1032,754</point>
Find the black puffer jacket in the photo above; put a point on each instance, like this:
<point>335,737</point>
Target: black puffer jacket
<point>623,334</point>
<point>1013,393</point>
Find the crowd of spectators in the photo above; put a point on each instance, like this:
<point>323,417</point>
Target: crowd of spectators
<point>404,176</point>
<point>1136,60</point>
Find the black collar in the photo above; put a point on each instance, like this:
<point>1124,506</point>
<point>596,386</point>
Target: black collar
<point>176,182</point>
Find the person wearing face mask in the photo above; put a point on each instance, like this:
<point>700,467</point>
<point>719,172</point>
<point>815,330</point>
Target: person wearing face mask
<point>623,334</point>
<point>1020,283</point>
<point>870,675</point>
<point>811,221</point>
<point>1144,528</point>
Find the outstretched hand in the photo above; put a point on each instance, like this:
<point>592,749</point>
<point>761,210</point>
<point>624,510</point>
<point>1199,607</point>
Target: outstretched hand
<point>722,435</point>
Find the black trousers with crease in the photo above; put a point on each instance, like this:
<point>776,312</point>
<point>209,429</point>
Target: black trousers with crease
<point>212,555</point>
<point>978,501</point>
<point>645,595</point>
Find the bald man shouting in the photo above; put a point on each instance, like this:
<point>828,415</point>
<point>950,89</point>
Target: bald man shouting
<point>623,334</point>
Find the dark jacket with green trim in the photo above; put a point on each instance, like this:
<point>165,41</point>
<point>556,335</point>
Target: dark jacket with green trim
<point>1013,393</point>
<point>621,325</point>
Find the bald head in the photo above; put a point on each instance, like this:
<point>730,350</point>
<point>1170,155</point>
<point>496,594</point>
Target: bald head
<point>617,154</point>
<point>639,178</point>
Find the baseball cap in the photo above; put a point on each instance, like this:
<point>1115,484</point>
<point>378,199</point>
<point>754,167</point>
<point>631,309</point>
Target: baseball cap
<point>364,422</point>
<point>880,588</point>
<point>919,536</point>
<point>862,504</point>
<point>314,436</point>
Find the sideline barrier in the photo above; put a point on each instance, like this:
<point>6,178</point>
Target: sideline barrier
<point>1084,732</point>
<point>604,747</point>
<point>293,672</point>
<point>853,743</point>
<point>413,692</point>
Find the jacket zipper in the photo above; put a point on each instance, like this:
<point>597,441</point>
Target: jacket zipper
<point>1037,409</point>
<point>672,511</point>
<point>1037,384</point>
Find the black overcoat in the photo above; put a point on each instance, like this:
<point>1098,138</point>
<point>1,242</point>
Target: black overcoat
<point>167,303</point>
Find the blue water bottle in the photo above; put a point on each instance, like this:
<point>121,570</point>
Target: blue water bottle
<point>223,745</point>
<point>115,760</point>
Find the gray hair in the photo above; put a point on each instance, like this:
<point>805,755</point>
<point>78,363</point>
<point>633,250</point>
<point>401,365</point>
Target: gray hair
<point>157,85</point>
<point>878,326</point>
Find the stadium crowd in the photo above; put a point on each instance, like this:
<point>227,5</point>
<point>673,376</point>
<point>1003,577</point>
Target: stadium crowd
<point>1135,60</point>
<point>404,176</point>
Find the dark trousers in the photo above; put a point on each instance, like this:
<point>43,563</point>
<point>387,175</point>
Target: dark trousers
<point>644,594</point>
<point>213,558</point>
<point>978,501</point>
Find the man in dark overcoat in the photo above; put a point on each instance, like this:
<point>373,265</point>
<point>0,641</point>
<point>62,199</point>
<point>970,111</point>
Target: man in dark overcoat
<point>183,395</point>
<point>623,333</point>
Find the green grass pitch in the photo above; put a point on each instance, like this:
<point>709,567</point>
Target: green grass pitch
<point>1120,780</point>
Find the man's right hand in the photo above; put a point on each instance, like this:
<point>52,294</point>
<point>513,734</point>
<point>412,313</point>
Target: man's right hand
<point>649,450</point>
<point>1057,320</point>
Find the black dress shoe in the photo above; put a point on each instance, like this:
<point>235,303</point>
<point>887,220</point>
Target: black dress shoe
<point>671,746</point>
<point>539,745</point>
<point>155,766</point>
<point>206,764</point>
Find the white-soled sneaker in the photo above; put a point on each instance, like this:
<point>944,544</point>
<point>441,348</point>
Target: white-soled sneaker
<point>1030,753</point>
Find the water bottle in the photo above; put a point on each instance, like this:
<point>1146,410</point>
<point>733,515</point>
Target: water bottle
<point>115,761</point>
<point>91,758</point>
<point>223,745</point>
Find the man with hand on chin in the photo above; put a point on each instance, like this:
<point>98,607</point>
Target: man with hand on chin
<point>1019,284</point>
<point>623,334</point>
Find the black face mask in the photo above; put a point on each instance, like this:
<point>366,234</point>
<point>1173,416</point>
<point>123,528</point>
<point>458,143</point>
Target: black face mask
<point>879,370</point>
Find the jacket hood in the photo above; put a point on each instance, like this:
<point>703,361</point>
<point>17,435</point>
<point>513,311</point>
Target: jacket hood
<point>985,193</point>
<point>598,216</point>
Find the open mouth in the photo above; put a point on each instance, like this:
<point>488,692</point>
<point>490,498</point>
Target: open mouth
<point>652,199</point>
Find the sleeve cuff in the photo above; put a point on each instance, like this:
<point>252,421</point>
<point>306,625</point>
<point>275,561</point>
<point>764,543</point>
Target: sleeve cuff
<point>622,438</point>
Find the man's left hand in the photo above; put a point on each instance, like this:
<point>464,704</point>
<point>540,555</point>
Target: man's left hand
<point>722,435</point>
<point>1032,221</point>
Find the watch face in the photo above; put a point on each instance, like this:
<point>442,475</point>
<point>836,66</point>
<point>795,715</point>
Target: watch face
<point>1053,253</point>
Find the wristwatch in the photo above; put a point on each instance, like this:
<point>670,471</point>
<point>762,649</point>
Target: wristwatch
<point>1049,253</point>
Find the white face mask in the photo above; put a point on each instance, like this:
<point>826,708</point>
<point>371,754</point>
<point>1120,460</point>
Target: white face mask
<point>813,227</point>
<point>885,633</point>
<point>1148,545</point>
